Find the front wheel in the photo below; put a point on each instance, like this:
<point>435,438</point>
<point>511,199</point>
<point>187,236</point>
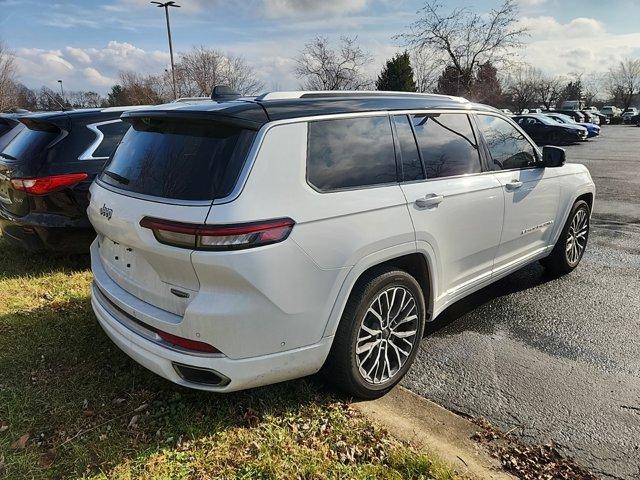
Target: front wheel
<point>378,335</point>
<point>570,247</point>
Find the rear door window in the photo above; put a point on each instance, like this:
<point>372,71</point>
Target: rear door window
<point>350,153</point>
<point>179,159</point>
<point>447,144</point>
<point>112,133</point>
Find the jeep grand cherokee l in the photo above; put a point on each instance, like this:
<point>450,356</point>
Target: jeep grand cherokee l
<point>258,240</point>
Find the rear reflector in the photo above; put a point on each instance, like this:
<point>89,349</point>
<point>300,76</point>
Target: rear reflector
<point>186,343</point>
<point>221,237</point>
<point>44,185</point>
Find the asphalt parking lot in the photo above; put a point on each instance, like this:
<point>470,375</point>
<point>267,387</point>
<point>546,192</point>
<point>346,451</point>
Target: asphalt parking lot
<point>557,360</point>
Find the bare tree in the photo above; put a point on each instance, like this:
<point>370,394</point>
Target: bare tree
<point>520,86</point>
<point>7,78</point>
<point>240,76</point>
<point>547,89</point>
<point>426,69</point>
<point>201,68</point>
<point>321,67</point>
<point>465,39</point>
<point>623,81</point>
<point>141,90</point>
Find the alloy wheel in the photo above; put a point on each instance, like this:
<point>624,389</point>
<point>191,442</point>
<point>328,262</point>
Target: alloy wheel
<point>577,236</point>
<point>387,335</point>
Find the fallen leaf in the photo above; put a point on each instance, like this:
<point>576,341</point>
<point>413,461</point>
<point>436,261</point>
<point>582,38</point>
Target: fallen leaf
<point>47,458</point>
<point>141,408</point>
<point>21,443</point>
<point>134,422</point>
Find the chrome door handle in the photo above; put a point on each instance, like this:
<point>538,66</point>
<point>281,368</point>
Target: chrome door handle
<point>430,200</point>
<point>513,185</point>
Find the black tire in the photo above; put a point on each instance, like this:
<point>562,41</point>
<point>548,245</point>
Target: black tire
<point>343,364</point>
<point>560,261</point>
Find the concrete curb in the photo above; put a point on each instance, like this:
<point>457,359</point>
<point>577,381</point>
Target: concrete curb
<point>430,427</point>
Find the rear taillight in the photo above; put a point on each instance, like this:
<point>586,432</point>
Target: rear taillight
<point>221,237</point>
<point>44,185</point>
<point>187,344</point>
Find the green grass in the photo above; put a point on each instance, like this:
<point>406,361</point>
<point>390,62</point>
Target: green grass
<point>91,412</point>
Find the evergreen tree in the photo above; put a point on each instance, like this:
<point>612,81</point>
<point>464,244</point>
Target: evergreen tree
<point>397,75</point>
<point>451,82</point>
<point>486,86</point>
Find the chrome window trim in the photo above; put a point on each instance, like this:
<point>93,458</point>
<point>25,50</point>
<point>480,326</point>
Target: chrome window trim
<point>88,153</point>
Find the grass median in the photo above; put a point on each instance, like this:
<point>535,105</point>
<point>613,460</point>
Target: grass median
<point>73,406</point>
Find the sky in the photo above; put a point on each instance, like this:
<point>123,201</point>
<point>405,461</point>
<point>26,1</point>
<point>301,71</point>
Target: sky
<point>86,43</point>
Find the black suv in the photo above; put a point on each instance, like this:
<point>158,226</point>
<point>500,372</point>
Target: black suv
<point>45,174</point>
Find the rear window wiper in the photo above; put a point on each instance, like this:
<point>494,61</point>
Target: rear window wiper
<point>117,178</point>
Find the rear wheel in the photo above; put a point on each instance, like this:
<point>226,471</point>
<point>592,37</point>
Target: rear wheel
<point>379,334</point>
<point>569,249</point>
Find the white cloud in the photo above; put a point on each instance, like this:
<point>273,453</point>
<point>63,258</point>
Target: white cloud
<point>78,54</point>
<point>286,8</point>
<point>531,3</point>
<point>94,77</point>
<point>44,67</point>
<point>582,45</point>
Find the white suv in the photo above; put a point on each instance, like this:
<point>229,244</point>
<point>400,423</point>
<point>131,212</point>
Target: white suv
<point>261,239</point>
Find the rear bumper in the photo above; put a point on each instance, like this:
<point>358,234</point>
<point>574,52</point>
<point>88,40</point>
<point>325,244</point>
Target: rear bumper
<point>47,232</point>
<point>121,316</point>
<point>238,374</point>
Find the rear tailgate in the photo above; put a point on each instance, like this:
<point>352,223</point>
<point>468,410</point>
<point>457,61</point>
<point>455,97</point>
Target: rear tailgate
<point>133,258</point>
<point>170,169</point>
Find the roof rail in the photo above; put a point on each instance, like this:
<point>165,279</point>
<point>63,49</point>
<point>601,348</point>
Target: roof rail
<point>290,95</point>
<point>124,108</point>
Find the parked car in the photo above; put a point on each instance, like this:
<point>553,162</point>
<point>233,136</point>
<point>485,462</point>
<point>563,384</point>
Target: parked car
<point>575,114</point>
<point>592,129</point>
<point>253,241</point>
<point>10,126</point>
<point>610,111</point>
<point>572,105</point>
<point>628,114</point>
<point>604,120</point>
<point>544,131</point>
<point>590,117</point>
<point>45,173</point>
<point>506,111</point>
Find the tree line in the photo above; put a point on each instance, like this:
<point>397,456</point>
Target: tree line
<point>457,52</point>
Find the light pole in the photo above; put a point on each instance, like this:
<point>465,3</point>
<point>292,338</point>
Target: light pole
<point>166,6</point>
<point>61,89</point>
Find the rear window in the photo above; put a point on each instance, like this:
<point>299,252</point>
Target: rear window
<point>179,159</point>
<point>350,153</point>
<point>29,144</point>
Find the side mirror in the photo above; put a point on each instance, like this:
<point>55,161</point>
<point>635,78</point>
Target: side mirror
<point>552,156</point>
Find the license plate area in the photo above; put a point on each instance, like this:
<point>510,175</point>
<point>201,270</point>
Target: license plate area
<point>120,257</point>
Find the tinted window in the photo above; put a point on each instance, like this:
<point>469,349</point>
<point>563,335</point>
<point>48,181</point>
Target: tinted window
<point>350,152</point>
<point>179,159</point>
<point>29,145</point>
<point>507,146</point>
<point>447,144</point>
<point>411,163</point>
<point>113,133</point>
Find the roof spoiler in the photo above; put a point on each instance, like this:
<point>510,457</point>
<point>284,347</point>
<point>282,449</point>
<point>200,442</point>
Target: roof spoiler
<point>224,93</point>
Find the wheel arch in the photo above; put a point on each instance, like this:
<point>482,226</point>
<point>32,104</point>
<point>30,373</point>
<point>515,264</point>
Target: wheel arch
<point>415,263</point>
